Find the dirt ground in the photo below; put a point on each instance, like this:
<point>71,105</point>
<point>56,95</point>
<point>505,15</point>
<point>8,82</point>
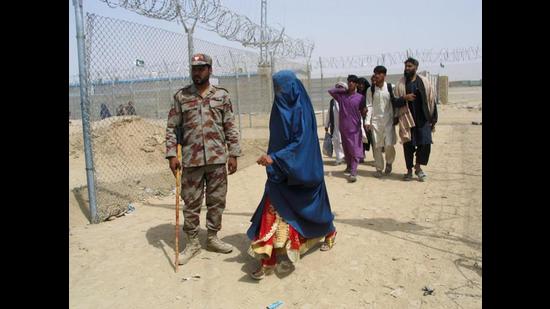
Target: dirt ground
<point>394,237</point>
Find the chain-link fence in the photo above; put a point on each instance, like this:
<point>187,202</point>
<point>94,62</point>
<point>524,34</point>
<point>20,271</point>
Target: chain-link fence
<point>134,71</point>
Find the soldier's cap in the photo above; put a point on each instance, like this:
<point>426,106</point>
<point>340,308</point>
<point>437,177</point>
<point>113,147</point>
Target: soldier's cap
<point>201,59</point>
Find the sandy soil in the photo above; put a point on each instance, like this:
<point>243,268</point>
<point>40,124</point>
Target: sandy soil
<point>394,237</point>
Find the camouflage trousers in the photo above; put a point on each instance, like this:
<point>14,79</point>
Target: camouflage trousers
<point>193,183</point>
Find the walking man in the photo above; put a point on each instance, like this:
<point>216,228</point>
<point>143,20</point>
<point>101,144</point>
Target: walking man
<point>415,98</point>
<point>379,121</point>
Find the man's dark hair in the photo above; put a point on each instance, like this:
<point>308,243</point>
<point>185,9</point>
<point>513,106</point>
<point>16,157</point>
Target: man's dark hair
<point>380,69</point>
<point>352,78</point>
<point>365,82</point>
<point>411,60</point>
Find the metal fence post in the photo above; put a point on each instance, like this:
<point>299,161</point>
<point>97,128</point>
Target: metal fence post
<point>322,89</point>
<point>238,104</point>
<point>190,31</point>
<point>169,78</point>
<point>437,87</point>
<point>245,65</point>
<point>85,109</point>
<point>132,95</point>
<point>113,105</point>
<point>158,97</point>
<point>190,48</point>
<point>237,91</point>
<point>270,81</point>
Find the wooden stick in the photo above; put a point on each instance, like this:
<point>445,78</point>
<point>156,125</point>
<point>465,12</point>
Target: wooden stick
<point>178,187</point>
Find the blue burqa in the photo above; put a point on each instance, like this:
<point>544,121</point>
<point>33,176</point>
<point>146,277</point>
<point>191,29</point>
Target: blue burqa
<point>295,181</point>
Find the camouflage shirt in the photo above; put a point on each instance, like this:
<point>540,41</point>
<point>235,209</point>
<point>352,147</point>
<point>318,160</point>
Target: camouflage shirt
<point>208,126</point>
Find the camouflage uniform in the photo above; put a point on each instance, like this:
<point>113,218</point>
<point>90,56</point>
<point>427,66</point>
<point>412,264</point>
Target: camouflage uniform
<point>208,126</point>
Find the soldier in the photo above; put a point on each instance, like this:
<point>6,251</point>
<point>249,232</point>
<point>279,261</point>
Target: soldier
<point>206,117</point>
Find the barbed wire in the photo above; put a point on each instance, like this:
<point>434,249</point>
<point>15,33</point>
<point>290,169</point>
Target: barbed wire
<point>444,55</point>
<point>115,45</point>
<point>215,17</point>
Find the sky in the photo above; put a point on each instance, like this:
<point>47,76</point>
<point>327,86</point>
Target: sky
<point>349,28</point>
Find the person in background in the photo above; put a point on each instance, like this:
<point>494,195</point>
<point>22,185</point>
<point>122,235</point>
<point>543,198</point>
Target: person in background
<point>104,112</point>
<point>379,121</point>
<point>362,86</point>
<point>417,112</point>
<point>332,123</point>
<point>352,109</point>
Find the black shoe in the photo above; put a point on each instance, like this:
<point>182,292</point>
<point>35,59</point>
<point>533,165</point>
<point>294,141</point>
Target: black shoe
<point>388,169</point>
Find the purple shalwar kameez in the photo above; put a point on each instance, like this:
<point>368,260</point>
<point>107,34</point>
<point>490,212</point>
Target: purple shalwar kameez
<point>350,125</point>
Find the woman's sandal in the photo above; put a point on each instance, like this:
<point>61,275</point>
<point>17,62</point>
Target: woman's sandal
<point>329,242</point>
<point>262,272</point>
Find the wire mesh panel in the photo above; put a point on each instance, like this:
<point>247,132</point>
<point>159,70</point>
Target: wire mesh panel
<point>134,71</point>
